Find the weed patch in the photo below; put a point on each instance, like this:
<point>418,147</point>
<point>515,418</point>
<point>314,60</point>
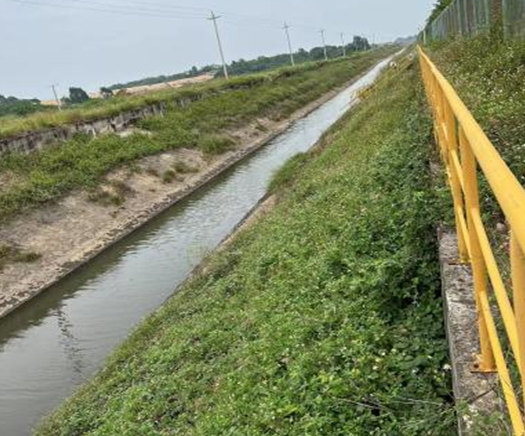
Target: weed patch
<point>12,254</point>
<point>216,144</point>
<point>113,194</point>
<point>170,176</point>
<point>184,168</point>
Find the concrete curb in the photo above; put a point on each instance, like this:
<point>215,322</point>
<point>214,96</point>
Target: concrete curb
<point>476,395</point>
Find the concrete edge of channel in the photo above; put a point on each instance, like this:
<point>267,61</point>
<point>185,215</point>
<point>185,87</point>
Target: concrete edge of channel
<point>476,395</point>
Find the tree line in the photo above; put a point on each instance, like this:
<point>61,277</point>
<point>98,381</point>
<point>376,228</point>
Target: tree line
<point>262,63</point>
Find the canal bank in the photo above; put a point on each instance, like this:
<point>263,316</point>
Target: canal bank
<point>57,341</point>
<point>67,234</point>
<point>324,318</point>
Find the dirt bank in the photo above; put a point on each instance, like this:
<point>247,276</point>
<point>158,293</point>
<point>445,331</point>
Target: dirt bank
<point>61,237</point>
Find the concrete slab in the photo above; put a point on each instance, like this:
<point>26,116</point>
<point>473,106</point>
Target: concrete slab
<point>477,395</point>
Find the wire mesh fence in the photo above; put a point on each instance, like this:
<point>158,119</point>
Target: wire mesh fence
<point>462,17</point>
<point>469,17</point>
<point>514,18</point>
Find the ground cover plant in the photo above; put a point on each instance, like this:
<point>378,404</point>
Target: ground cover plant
<point>324,318</point>
<point>488,73</point>
<point>83,162</point>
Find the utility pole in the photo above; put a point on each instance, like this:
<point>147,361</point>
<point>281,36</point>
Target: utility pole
<point>322,31</point>
<point>286,29</point>
<point>214,18</point>
<point>344,44</point>
<point>59,103</point>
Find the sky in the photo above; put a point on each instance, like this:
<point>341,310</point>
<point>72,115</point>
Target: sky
<point>71,44</point>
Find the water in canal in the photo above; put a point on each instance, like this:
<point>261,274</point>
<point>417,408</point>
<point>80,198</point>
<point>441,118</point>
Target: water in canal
<point>52,344</point>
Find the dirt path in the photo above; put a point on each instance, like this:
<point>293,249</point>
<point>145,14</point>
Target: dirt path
<point>65,235</point>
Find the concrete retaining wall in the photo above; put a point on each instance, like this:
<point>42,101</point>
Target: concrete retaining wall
<point>37,140</point>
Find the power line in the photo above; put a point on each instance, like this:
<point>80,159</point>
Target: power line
<point>244,23</point>
<point>138,9</point>
<point>167,6</point>
<point>161,14</point>
<point>158,10</point>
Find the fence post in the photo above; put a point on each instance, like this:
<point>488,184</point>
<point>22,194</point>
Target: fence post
<point>486,361</point>
<point>451,139</point>
<point>496,17</point>
<point>517,259</point>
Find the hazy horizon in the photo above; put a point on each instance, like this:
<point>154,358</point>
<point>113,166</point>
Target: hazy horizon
<point>72,44</point>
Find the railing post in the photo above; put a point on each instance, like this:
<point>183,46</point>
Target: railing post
<point>486,361</point>
<point>439,102</point>
<point>517,261</point>
<point>457,192</point>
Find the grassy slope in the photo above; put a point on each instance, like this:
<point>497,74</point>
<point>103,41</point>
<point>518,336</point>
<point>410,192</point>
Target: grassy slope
<point>489,74</point>
<point>83,162</point>
<point>323,319</point>
<point>95,109</point>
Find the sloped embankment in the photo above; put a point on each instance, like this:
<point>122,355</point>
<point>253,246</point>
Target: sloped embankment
<point>323,318</point>
<point>65,204</point>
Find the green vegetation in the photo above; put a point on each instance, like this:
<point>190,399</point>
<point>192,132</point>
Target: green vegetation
<point>262,63</point>
<point>112,195</point>
<point>287,173</point>
<point>96,109</point>
<point>324,318</point>
<point>76,96</point>
<point>488,73</point>
<point>10,254</point>
<point>12,106</point>
<point>184,168</point>
<point>84,161</point>
<point>439,7</point>
<point>170,176</point>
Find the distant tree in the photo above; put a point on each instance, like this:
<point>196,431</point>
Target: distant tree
<point>317,54</point>
<point>261,63</point>
<point>361,44</point>
<point>15,106</point>
<point>106,93</point>
<point>439,7</point>
<point>77,96</point>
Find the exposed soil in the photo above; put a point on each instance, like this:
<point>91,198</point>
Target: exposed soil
<point>75,229</point>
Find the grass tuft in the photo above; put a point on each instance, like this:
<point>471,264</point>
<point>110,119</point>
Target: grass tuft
<point>13,254</point>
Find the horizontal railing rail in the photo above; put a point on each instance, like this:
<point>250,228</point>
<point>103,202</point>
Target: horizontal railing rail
<point>466,152</point>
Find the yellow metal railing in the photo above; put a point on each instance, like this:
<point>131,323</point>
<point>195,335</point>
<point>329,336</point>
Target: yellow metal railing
<point>465,148</point>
